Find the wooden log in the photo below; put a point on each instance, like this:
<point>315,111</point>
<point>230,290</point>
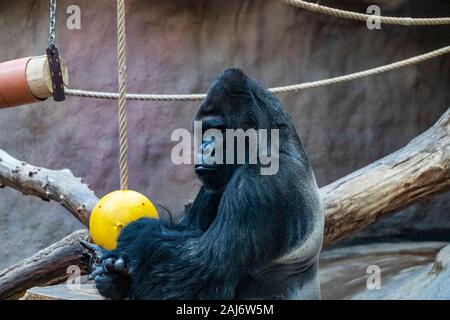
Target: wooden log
<point>27,80</point>
<point>418,171</point>
<point>47,267</point>
<point>58,185</point>
<point>39,79</point>
<point>63,292</point>
<point>409,270</point>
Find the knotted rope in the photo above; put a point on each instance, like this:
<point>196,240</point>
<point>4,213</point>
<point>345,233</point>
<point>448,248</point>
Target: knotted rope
<point>284,89</point>
<point>315,7</point>
<point>121,58</point>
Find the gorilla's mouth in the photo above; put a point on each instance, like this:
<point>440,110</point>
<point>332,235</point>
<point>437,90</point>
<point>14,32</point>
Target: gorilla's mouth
<point>203,167</point>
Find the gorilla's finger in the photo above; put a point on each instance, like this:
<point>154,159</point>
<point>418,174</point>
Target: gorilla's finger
<point>97,271</point>
<point>112,286</point>
<point>120,267</point>
<point>95,249</point>
<point>87,257</point>
<point>85,262</point>
<point>89,246</point>
<point>96,252</point>
<point>108,264</point>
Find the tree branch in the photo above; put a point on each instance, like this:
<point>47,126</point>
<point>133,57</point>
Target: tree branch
<point>60,186</point>
<point>47,267</point>
<point>416,172</point>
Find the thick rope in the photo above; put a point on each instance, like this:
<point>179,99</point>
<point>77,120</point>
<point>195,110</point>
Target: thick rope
<point>365,73</point>
<point>365,17</point>
<point>285,89</point>
<point>121,56</point>
<point>135,96</point>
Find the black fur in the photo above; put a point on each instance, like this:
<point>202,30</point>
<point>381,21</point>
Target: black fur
<point>239,238</point>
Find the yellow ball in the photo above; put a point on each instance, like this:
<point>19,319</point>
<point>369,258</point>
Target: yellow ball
<point>114,211</point>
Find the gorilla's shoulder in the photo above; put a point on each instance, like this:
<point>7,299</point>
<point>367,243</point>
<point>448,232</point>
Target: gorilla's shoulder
<point>286,182</point>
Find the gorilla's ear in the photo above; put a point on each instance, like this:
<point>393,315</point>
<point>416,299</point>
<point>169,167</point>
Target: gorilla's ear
<point>235,82</point>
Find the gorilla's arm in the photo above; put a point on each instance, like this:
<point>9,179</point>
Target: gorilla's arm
<point>167,263</point>
<point>202,211</point>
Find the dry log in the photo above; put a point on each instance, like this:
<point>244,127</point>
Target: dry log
<point>47,267</point>
<point>63,292</point>
<point>60,186</point>
<point>416,172</point>
<point>409,271</point>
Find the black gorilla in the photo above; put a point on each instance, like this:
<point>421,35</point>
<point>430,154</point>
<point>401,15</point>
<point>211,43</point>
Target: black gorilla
<point>245,236</point>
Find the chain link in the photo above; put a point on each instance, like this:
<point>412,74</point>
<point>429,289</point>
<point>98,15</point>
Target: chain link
<point>52,29</point>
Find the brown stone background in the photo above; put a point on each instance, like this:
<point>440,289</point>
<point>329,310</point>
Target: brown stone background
<point>178,46</point>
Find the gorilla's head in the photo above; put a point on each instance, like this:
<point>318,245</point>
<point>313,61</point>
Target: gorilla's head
<point>234,101</point>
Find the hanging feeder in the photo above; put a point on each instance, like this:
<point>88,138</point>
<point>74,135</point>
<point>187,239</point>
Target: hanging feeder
<point>27,80</point>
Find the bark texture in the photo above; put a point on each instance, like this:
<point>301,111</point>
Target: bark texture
<point>57,185</point>
<point>47,267</point>
<point>414,173</point>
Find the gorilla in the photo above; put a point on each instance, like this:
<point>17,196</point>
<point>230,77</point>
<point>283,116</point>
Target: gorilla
<point>245,236</point>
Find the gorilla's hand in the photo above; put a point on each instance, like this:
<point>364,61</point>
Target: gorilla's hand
<point>109,272</point>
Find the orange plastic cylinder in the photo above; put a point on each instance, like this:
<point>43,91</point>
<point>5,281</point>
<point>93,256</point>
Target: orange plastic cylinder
<point>14,89</point>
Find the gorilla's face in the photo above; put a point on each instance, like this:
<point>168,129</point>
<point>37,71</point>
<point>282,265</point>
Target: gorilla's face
<point>229,105</point>
<point>214,173</point>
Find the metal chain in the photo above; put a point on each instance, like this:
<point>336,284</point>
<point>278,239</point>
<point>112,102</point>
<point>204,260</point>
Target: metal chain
<point>52,29</point>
